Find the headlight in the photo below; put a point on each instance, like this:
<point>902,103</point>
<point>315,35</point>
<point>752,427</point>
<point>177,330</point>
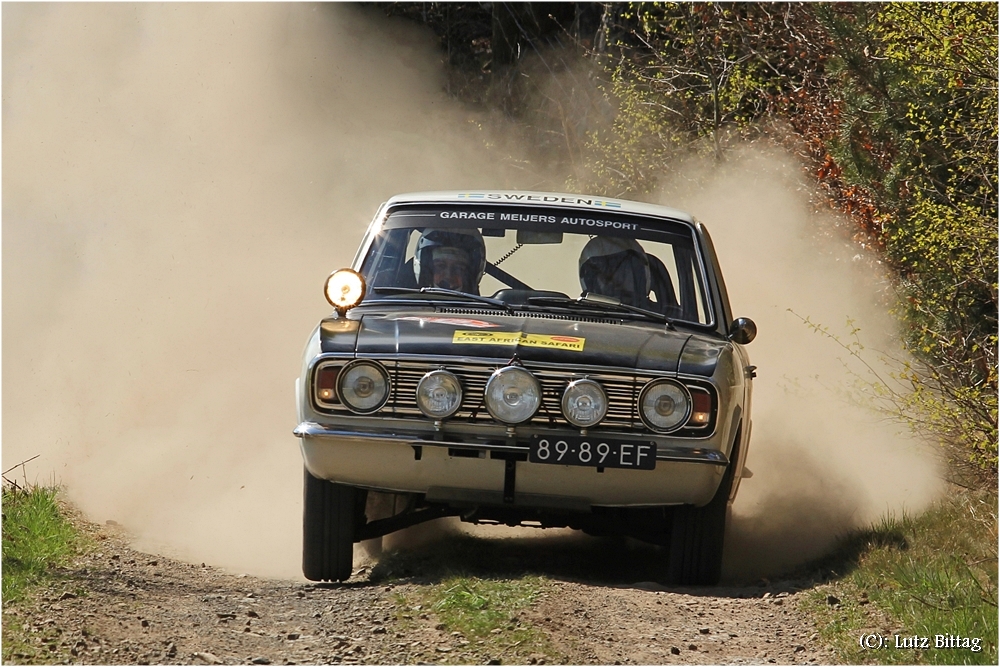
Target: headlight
<point>584,403</point>
<point>344,289</point>
<point>439,394</point>
<point>363,386</point>
<point>512,395</point>
<point>664,405</point>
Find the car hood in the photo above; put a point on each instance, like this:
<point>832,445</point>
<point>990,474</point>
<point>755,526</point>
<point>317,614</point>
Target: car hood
<point>639,345</point>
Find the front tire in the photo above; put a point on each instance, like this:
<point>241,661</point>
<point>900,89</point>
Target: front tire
<point>328,528</point>
<point>698,535</point>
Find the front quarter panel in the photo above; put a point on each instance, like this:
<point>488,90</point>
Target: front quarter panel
<point>728,380</point>
<point>335,334</point>
<point>701,356</point>
<point>302,384</point>
<point>339,335</point>
<point>746,372</point>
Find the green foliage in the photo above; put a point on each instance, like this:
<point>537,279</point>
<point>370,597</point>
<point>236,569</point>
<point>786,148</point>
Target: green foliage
<point>943,59</point>
<point>903,390</point>
<point>36,537</point>
<point>895,108</point>
<point>475,607</point>
<point>952,321</point>
<point>936,574</point>
<point>918,132</point>
<point>695,78</point>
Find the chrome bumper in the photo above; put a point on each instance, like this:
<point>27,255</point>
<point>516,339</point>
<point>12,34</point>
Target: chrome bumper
<point>663,452</point>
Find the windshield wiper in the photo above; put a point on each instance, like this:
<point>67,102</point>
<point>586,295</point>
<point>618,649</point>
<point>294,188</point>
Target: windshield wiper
<point>440,291</point>
<point>598,302</point>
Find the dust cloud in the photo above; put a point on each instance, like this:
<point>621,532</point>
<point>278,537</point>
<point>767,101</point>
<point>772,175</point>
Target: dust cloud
<point>823,461</point>
<point>178,181</point>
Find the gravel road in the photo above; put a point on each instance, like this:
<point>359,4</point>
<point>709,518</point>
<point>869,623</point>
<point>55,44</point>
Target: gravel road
<point>117,605</point>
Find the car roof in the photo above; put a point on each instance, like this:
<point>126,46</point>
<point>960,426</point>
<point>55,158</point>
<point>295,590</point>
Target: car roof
<point>529,198</point>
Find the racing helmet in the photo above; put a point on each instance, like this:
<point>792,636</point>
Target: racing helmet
<point>462,245</point>
<point>616,267</point>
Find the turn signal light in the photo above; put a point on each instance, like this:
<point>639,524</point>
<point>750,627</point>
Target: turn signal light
<point>701,408</point>
<point>326,384</point>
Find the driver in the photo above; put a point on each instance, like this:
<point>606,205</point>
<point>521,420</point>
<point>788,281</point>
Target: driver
<point>451,259</point>
<point>616,267</point>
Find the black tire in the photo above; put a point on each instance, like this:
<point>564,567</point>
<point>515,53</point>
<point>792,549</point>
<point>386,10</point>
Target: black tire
<point>328,528</point>
<point>697,537</point>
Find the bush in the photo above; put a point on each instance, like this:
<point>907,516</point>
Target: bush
<point>36,537</point>
<point>894,108</point>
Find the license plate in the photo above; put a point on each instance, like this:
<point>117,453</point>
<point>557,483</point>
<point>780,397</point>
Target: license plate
<point>592,452</point>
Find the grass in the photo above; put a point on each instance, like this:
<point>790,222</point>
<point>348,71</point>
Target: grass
<point>935,574</point>
<point>476,607</point>
<point>36,537</point>
<point>480,589</point>
<point>486,613</point>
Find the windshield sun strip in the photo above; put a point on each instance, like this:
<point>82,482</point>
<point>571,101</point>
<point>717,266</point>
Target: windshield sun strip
<point>540,219</point>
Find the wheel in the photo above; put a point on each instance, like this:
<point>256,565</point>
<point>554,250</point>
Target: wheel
<point>328,529</point>
<point>697,536</point>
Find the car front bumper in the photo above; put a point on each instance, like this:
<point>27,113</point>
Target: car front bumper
<point>490,470</point>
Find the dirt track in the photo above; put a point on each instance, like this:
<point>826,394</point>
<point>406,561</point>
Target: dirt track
<point>121,606</point>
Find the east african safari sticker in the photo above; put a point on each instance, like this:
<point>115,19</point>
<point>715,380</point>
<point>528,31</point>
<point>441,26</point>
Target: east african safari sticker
<point>517,338</point>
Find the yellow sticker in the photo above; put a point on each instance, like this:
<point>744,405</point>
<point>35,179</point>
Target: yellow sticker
<point>517,338</point>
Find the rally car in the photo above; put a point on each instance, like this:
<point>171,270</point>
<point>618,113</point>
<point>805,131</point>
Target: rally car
<point>526,358</point>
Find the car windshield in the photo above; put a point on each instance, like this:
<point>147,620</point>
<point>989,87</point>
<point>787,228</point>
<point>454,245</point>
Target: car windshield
<point>539,258</point>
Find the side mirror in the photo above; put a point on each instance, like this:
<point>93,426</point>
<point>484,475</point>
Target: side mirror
<point>742,330</point>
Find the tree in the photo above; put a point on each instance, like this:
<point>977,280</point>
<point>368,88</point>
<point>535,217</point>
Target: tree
<point>893,107</point>
<point>918,136</point>
<point>697,77</point>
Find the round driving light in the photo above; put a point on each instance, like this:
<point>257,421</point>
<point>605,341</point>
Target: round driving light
<point>363,386</point>
<point>439,394</point>
<point>584,403</point>
<point>664,405</point>
<point>345,289</point>
<point>512,395</point>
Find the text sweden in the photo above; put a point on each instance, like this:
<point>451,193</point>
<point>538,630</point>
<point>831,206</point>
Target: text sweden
<point>540,198</point>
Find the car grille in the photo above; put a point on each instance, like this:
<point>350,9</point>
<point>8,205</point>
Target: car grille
<point>621,391</point>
